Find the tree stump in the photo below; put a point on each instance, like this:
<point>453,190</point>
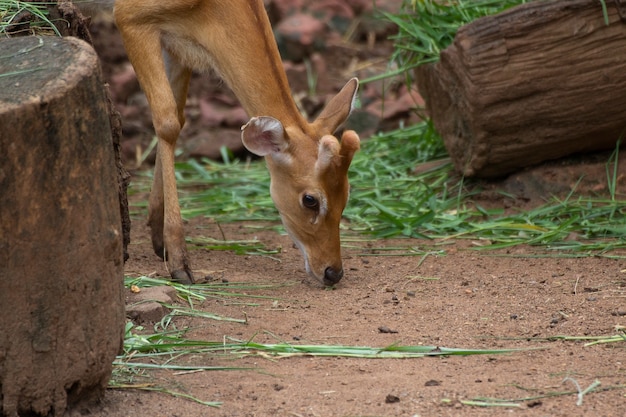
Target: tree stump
<point>61,255</point>
<point>539,81</point>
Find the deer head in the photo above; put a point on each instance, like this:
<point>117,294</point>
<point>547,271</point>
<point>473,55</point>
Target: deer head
<point>309,179</point>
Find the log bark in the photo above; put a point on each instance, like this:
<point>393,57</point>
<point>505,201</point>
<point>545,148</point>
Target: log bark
<point>61,250</point>
<point>537,82</point>
<point>70,22</point>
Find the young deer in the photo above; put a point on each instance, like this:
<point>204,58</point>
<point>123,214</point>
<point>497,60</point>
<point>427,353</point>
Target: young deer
<point>166,40</point>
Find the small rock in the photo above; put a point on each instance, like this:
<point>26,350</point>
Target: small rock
<point>401,104</point>
<point>208,145</point>
<point>143,313</point>
<point>161,294</point>
<point>147,305</point>
<point>385,329</point>
<point>390,399</point>
<point>286,7</point>
<point>215,114</point>
<point>299,35</point>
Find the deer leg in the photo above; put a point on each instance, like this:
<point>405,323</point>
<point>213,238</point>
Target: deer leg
<point>156,209</point>
<point>178,77</point>
<point>178,263</point>
<point>143,45</point>
<point>175,249</point>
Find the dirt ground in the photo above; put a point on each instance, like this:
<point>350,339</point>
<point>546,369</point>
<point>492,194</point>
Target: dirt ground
<point>456,297</point>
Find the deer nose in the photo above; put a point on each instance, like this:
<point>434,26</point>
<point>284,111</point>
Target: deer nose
<point>332,275</point>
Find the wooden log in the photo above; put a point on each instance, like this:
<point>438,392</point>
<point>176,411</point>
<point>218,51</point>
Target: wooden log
<point>61,256</point>
<point>540,81</point>
<point>70,22</point>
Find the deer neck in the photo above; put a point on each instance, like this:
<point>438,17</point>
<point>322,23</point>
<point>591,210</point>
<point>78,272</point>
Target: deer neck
<point>260,82</point>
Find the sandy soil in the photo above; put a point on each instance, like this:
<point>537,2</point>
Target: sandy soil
<point>456,297</point>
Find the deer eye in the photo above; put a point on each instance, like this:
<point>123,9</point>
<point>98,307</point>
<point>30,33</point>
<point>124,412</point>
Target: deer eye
<point>310,202</point>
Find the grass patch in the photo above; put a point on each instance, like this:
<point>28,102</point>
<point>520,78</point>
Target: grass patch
<point>390,198</point>
<point>426,27</point>
<point>33,17</point>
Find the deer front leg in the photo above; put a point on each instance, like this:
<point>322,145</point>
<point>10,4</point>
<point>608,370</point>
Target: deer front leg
<point>172,230</point>
<point>168,235</point>
<point>143,45</point>
<point>178,77</point>
<point>164,218</point>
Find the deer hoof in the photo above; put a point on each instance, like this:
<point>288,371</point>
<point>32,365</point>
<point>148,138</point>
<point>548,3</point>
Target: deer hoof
<point>182,276</point>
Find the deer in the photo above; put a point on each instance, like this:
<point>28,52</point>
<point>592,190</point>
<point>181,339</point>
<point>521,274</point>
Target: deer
<point>165,41</point>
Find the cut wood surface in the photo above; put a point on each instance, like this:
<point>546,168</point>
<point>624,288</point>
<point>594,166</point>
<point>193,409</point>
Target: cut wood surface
<point>61,256</point>
<point>537,82</point>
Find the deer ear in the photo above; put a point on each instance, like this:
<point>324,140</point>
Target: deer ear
<point>264,135</point>
<point>339,107</point>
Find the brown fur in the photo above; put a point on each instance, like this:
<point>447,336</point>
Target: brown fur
<point>165,41</point>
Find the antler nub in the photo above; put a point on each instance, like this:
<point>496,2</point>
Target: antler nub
<point>350,143</point>
<point>329,148</point>
<point>331,151</point>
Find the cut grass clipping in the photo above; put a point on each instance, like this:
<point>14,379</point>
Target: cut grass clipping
<point>390,198</point>
<point>168,349</point>
<point>160,350</point>
<point>539,394</point>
